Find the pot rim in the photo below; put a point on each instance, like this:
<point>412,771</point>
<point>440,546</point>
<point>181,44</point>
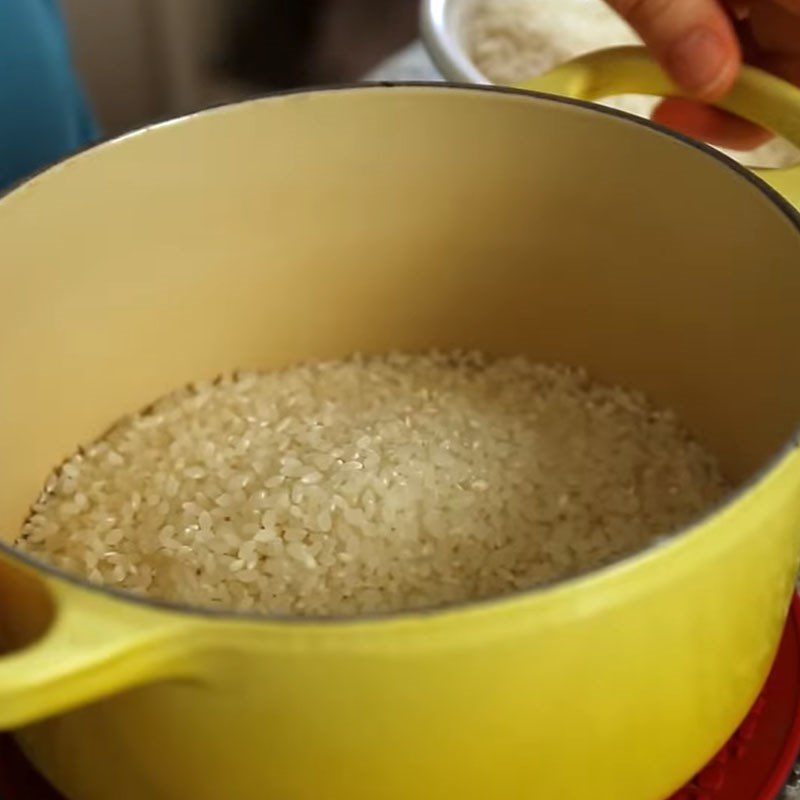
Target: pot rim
<point>635,558</point>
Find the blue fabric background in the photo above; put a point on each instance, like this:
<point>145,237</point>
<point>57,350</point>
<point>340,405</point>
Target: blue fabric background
<point>43,113</point>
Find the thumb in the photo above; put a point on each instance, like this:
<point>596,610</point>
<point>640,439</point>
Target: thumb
<point>692,39</point>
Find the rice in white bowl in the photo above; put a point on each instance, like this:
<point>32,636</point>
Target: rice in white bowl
<point>372,484</point>
<point>512,40</point>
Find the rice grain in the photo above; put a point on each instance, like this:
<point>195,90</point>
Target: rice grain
<point>372,484</point>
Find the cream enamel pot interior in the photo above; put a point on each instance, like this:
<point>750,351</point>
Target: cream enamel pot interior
<point>314,224</point>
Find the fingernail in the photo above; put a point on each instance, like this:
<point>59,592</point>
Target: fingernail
<point>697,62</point>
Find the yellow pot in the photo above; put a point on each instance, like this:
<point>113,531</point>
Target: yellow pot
<point>315,224</point>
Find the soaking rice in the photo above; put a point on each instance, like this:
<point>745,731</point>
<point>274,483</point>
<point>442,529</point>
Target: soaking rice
<point>372,484</point>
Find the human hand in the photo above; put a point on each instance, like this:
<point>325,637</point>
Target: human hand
<point>702,43</point>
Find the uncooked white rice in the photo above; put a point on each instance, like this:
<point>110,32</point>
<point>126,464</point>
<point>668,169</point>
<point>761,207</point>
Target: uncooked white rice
<point>511,40</point>
<point>372,484</point>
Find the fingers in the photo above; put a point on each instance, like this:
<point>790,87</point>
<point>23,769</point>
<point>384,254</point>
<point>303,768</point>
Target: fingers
<point>692,39</point>
<point>718,127</point>
<point>696,42</point>
<point>709,124</point>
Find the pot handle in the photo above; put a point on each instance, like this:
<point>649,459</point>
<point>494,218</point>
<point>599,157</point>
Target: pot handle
<point>92,648</point>
<point>757,96</point>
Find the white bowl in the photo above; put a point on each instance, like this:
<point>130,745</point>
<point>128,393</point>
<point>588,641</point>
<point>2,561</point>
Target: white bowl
<point>444,32</point>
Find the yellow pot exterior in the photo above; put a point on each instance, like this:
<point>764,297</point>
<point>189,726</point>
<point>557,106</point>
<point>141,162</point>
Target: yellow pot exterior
<point>313,225</point>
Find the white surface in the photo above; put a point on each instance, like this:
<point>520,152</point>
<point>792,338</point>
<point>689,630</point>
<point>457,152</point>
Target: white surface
<point>410,64</point>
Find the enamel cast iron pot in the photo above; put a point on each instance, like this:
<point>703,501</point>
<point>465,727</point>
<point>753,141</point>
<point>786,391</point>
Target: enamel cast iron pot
<point>312,225</point>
